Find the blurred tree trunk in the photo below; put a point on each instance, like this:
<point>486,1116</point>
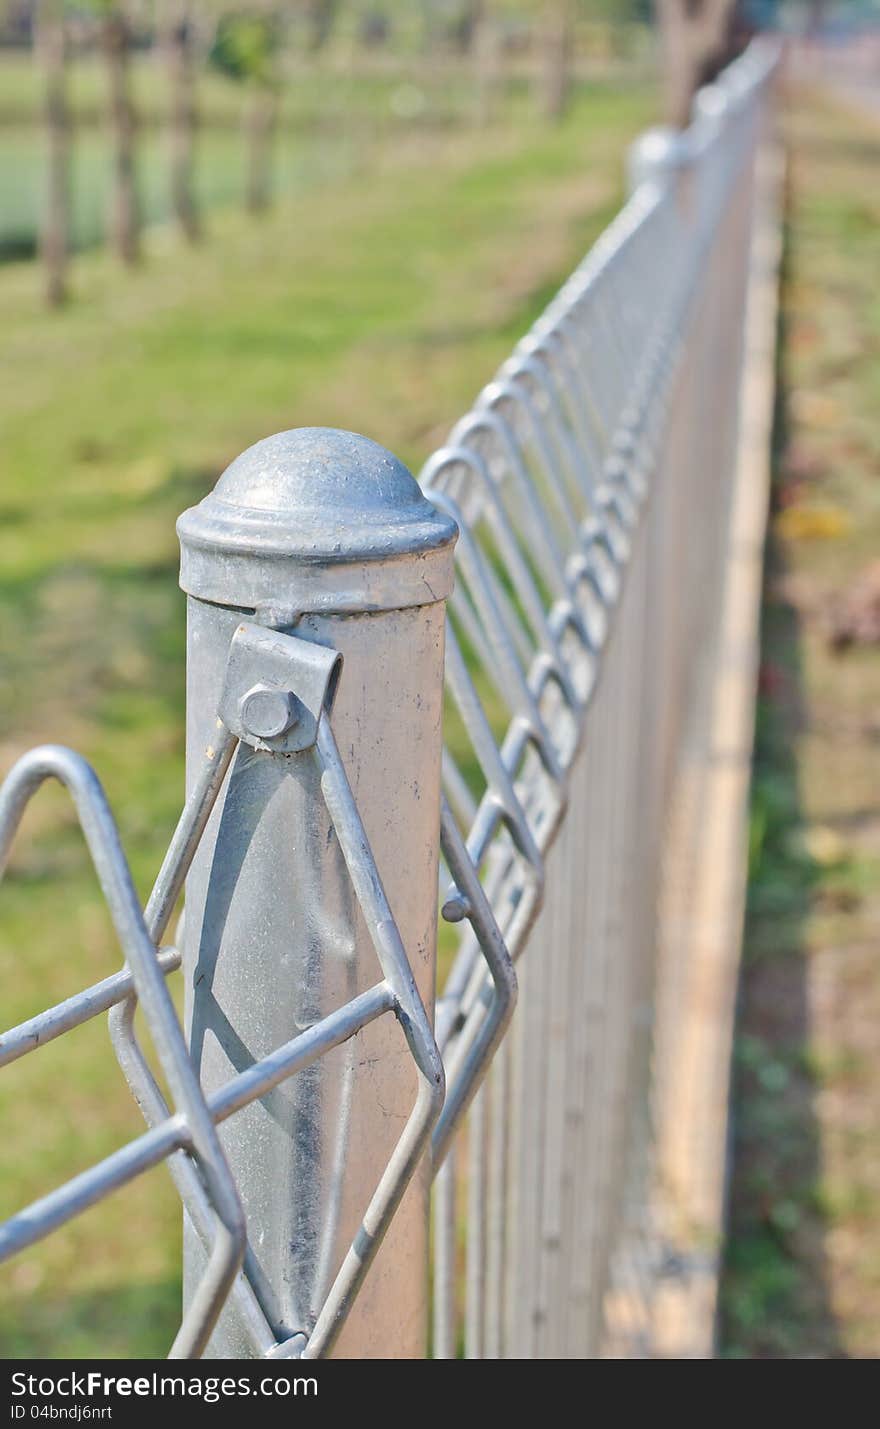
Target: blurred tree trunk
<point>429,34</point>
<point>485,42</point>
<point>322,15</point>
<point>555,60</point>
<point>694,37</point>
<point>179,58</point>
<point>261,122</point>
<point>124,217</point>
<point>817,14</point>
<point>55,230</point>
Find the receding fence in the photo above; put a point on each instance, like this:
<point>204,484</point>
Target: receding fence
<point>360,733</point>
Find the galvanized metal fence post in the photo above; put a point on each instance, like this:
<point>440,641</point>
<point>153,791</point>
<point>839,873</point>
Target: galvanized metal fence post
<point>325,535</point>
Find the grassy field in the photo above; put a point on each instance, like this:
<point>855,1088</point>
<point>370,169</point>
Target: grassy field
<point>803,1264</point>
<point>381,307</point>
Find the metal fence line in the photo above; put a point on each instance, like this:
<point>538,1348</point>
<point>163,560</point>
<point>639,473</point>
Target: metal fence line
<point>585,502</point>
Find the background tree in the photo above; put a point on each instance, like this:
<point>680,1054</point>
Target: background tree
<point>124,220</point>
<point>556,42</point>
<point>694,41</point>
<point>321,16</point>
<point>51,44</point>
<point>177,42</point>
<point>486,45</point>
<point>246,48</point>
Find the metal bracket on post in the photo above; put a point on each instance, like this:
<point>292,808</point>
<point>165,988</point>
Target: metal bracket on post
<point>276,689</point>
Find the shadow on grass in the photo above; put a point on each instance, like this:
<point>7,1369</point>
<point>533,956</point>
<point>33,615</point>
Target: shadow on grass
<point>774,1294</point>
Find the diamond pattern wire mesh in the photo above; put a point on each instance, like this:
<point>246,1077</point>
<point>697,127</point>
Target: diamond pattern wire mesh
<point>570,480</point>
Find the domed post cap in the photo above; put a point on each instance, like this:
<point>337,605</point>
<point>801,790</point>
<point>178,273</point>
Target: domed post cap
<point>657,156</point>
<point>711,104</point>
<point>316,520</point>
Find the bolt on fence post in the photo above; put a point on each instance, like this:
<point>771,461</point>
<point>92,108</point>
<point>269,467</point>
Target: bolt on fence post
<point>324,535</point>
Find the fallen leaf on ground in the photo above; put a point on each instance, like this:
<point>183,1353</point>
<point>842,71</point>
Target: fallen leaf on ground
<point>815,409</point>
<point>812,523</point>
<point>818,843</point>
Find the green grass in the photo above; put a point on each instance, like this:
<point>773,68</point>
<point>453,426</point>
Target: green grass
<point>380,304</point>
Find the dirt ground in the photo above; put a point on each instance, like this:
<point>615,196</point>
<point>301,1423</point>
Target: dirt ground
<point>802,1276</point>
